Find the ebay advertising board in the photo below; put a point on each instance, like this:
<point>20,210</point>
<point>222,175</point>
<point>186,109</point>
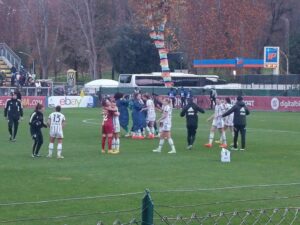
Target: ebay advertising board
<point>268,103</point>
<point>27,101</point>
<point>71,101</point>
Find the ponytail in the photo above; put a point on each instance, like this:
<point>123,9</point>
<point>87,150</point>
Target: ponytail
<point>38,107</point>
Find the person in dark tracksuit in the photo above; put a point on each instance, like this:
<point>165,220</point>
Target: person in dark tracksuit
<point>213,97</point>
<point>36,123</point>
<point>239,121</point>
<point>190,111</point>
<point>183,94</point>
<point>13,112</point>
<point>172,95</point>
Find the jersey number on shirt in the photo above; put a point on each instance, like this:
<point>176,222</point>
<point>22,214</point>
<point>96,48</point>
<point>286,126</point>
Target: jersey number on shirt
<point>56,118</point>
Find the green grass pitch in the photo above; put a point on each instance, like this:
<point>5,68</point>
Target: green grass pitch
<point>88,186</point>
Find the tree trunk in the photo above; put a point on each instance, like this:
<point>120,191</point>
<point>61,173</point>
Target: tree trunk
<point>44,71</point>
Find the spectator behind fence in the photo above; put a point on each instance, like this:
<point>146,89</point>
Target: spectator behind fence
<point>13,70</point>
<point>213,96</point>
<point>31,85</point>
<point>13,80</point>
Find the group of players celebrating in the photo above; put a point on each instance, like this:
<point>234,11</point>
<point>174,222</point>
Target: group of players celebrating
<point>115,115</point>
<point>144,123</point>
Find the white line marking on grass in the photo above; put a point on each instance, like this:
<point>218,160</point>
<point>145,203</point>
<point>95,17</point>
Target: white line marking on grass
<point>251,129</point>
<point>140,193</point>
<point>90,121</point>
<point>227,188</point>
<point>70,199</point>
<point>272,131</point>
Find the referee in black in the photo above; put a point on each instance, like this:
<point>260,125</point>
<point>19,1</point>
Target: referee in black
<point>13,112</point>
<point>190,111</point>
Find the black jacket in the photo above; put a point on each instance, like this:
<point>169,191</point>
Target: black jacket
<point>240,111</point>
<point>13,109</point>
<point>190,111</point>
<point>212,94</point>
<point>36,121</point>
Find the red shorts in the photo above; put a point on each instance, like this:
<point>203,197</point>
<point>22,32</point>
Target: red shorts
<point>107,129</point>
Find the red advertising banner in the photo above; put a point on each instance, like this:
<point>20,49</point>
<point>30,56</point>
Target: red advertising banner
<point>267,103</point>
<point>27,101</point>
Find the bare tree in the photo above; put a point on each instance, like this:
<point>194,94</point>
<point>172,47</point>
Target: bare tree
<point>94,21</point>
<point>277,9</point>
<point>10,16</point>
<point>42,18</point>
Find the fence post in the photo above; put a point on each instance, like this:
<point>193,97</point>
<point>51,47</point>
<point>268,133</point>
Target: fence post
<point>147,209</point>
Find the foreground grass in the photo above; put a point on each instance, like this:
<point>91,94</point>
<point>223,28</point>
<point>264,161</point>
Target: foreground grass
<point>267,171</point>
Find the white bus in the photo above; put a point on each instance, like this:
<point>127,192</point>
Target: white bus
<point>179,80</point>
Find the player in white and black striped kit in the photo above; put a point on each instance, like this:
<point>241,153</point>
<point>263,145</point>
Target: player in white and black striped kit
<point>56,122</point>
<point>165,126</point>
<point>217,124</point>
<point>151,115</point>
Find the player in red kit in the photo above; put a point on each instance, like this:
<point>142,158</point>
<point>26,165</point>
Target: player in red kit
<point>107,124</point>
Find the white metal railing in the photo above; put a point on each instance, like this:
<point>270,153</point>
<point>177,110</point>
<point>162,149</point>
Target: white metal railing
<point>7,53</point>
<point>27,91</point>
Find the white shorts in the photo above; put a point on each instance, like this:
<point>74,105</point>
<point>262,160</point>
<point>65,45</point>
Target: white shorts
<point>151,117</point>
<point>218,123</point>
<point>117,128</point>
<point>56,134</point>
<point>166,127</point>
<point>116,125</point>
<point>228,122</point>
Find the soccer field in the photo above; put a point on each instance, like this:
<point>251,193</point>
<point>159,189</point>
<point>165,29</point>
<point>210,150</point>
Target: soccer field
<point>88,186</point>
